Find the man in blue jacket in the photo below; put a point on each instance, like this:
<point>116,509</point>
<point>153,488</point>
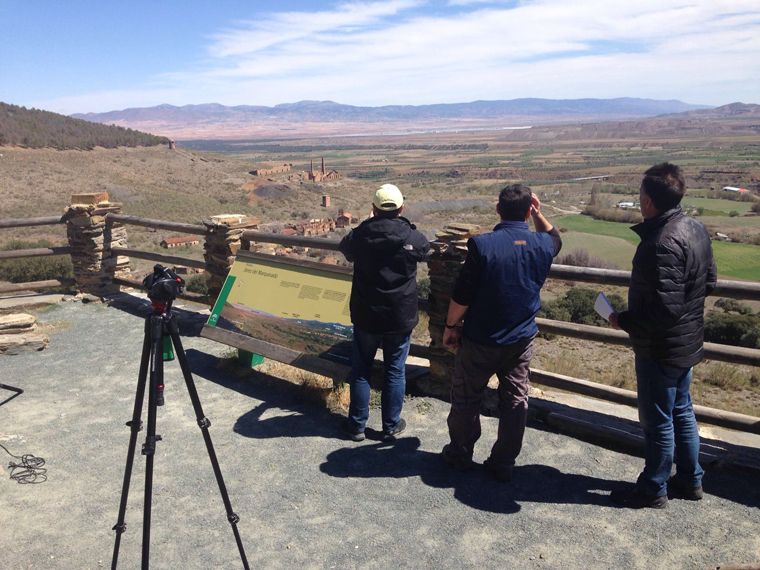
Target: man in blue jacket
<point>497,295</point>
<point>673,271</point>
<point>385,250</point>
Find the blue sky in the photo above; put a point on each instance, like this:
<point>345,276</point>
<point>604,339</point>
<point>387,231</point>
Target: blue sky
<point>76,56</point>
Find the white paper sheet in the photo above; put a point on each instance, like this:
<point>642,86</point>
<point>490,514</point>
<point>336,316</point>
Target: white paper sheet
<point>603,307</point>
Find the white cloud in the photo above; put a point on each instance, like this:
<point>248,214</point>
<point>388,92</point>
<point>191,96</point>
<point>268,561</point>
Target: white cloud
<point>409,51</point>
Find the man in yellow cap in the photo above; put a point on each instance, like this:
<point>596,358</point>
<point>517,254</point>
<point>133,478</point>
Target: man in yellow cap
<point>385,250</point>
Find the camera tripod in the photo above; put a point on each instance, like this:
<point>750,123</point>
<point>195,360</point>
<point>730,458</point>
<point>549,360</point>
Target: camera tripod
<point>160,328</point>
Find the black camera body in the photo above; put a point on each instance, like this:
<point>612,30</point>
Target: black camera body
<point>163,285</point>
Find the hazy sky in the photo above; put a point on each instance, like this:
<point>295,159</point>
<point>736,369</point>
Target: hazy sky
<point>78,56</point>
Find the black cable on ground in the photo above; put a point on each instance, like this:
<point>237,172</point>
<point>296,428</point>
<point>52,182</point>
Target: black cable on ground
<point>29,471</point>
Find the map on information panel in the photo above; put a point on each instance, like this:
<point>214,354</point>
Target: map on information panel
<point>300,305</point>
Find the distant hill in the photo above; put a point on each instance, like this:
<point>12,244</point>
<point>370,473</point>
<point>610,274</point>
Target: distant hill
<point>33,128</point>
<point>216,121</point>
<point>730,111</point>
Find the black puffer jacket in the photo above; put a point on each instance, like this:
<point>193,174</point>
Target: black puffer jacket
<point>673,271</point>
<point>385,252</point>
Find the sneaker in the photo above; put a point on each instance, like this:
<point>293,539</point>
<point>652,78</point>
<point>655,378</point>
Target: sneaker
<point>677,490</point>
<point>632,498</point>
<point>458,463</point>
<point>502,473</point>
<point>391,434</point>
<point>352,433</point>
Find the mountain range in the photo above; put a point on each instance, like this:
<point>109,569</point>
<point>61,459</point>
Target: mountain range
<point>329,118</point>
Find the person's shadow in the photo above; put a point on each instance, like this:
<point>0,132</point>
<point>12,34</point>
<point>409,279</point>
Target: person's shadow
<point>474,488</point>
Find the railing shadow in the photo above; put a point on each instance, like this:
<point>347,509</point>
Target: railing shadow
<point>190,322</point>
<point>721,478</point>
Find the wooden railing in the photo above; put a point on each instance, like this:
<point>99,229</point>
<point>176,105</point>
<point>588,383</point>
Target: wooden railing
<point>725,288</point>
<point>34,252</point>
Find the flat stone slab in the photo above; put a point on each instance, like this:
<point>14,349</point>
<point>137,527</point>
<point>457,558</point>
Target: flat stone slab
<point>22,342</point>
<point>17,323</point>
<point>30,300</point>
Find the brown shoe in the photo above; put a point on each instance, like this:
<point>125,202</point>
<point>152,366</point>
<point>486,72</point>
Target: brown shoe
<point>677,490</point>
<point>458,463</point>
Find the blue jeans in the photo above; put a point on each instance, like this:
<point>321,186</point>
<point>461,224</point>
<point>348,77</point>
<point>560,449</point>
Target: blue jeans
<point>670,428</point>
<point>395,350</point>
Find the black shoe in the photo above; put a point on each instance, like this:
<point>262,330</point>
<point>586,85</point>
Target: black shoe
<point>391,434</point>
<point>458,463</point>
<point>632,498</point>
<point>677,490</point>
<point>352,432</point>
<point>502,473</point>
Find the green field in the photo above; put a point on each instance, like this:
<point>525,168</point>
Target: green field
<point>734,260</point>
<point>710,204</point>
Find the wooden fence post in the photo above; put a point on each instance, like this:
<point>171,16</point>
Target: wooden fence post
<point>91,240</point>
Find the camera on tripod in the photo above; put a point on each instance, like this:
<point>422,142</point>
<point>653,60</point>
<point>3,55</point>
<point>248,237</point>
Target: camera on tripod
<point>163,285</point>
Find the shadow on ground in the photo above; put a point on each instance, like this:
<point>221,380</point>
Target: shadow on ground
<point>474,488</point>
<point>531,483</point>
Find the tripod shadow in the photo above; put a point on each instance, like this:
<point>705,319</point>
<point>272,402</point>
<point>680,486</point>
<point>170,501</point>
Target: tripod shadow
<point>474,488</point>
<point>305,418</point>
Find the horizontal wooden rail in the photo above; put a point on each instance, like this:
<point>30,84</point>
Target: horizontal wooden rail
<point>300,241</point>
<point>196,229</point>
<point>704,414</point>
<point>724,288</point>
<point>29,222</point>
<point>35,285</point>
<point>713,351</point>
<point>36,252</point>
<point>187,295</point>
<point>173,259</point>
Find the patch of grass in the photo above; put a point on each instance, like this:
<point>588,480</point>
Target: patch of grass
<point>588,225</point>
<point>738,260</point>
<point>721,206</point>
<point>735,260</point>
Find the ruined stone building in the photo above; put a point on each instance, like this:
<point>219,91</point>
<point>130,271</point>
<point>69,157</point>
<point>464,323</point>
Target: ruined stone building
<point>322,174</point>
<point>177,241</point>
<point>269,171</point>
<point>344,219</point>
<point>314,227</point>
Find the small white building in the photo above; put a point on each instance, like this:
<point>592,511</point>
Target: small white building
<point>735,189</point>
<point>626,205</point>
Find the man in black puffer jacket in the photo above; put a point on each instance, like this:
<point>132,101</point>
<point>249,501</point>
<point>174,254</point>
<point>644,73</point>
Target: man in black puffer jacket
<point>673,271</point>
<point>385,250</point>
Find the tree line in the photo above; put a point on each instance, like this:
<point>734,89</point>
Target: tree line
<point>33,128</point>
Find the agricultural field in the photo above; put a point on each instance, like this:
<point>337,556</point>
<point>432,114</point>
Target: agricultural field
<point>734,260</point>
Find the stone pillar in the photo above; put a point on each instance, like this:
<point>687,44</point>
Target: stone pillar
<point>449,253</point>
<point>91,241</point>
<point>223,240</point>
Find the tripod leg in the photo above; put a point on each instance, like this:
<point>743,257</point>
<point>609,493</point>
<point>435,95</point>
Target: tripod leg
<point>135,426</point>
<point>149,447</point>
<point>204,424</point>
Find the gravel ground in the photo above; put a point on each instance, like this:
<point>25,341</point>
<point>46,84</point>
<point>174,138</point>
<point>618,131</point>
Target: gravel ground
<point>306,497</point>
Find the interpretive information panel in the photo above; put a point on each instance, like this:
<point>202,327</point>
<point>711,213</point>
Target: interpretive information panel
<point>302,306</point>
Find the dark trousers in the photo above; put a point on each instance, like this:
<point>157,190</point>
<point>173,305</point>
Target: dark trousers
<point>475,364</point>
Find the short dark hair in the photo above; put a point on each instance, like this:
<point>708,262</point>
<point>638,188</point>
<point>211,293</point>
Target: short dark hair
<point>378,213</point>
<point>665,185</point>
<point>514,202</point>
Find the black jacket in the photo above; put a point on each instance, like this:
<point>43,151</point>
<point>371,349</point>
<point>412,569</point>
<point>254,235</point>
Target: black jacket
<point>385,252</point>
<point>673,271</point>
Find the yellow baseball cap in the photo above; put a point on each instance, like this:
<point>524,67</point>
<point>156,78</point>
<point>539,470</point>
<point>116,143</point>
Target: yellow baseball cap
<point>388,198</point>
